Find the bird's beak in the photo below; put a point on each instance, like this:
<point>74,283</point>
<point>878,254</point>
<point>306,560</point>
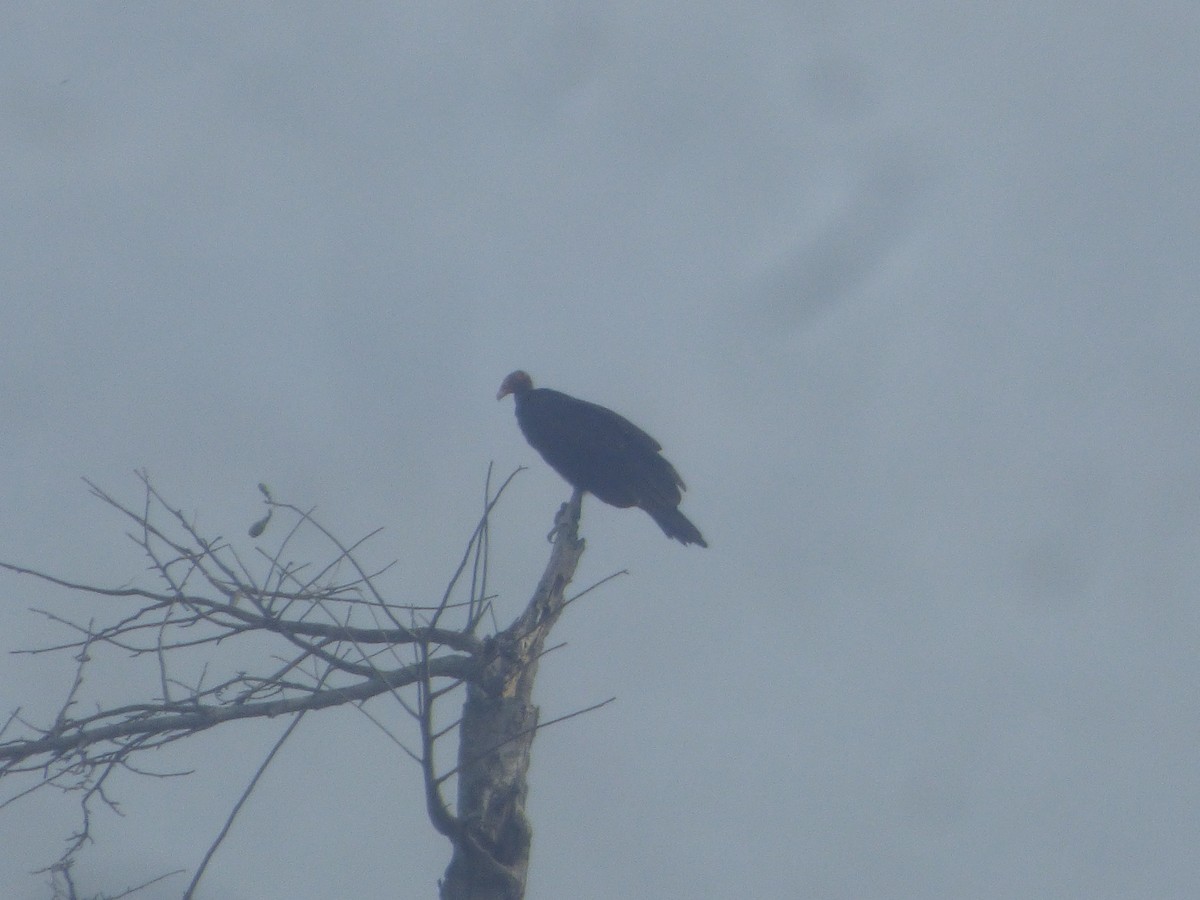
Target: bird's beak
<point>502,393</point>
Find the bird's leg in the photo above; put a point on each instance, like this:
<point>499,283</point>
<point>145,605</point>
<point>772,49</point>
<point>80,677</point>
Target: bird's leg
<point>567,516</point>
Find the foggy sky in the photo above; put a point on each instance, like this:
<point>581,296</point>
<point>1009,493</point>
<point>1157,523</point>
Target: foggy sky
<point>908,296</point>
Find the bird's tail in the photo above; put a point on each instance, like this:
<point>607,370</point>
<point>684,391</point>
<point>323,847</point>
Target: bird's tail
<point>676,525</point>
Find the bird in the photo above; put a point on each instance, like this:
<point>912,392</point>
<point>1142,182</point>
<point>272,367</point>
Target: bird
<point>601,453</point>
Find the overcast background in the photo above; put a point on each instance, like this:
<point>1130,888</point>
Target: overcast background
<point>907,291</point>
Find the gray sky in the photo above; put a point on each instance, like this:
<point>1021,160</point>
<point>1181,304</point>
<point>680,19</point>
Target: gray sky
<point>907,293</point>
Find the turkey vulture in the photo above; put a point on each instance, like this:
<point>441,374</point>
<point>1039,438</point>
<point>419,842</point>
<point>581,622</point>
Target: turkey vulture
<point>596,450</point>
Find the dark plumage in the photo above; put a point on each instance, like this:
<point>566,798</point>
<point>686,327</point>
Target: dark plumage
<point>597,451</point>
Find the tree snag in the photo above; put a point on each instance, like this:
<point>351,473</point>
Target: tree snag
<point>331,639</point>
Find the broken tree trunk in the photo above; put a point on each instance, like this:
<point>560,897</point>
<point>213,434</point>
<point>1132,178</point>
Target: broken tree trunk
<point>491,833</point>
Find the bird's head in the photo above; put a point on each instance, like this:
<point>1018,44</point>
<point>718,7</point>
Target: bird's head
<point>517,383</point>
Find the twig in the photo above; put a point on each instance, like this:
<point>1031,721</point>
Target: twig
<point>237,807</point>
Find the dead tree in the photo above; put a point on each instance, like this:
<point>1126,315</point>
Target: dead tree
<point>342,643</point>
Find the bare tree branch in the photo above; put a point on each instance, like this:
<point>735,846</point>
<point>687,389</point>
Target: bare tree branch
<point>224,635</point>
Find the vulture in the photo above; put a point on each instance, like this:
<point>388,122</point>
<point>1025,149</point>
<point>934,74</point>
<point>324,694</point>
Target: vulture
<point>602,453</point>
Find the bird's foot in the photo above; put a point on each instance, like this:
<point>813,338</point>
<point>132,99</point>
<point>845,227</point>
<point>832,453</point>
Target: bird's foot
<point>566,517</point>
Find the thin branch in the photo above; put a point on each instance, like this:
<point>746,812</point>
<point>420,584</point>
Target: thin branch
<point>439,813</point>
<point>237,807</point>
<point>512,737</point>
<point>587,590</point>
<point>487,510</point>
<point>62,741</point>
